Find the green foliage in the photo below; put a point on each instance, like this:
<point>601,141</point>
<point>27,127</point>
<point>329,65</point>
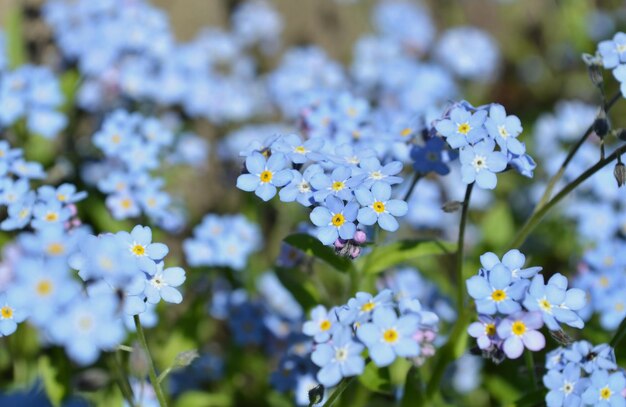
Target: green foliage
<point>55,390</point>
<point>311,246</point>
<point>498,226</point>
<point>376,379</point>
<point>385,257</point>
<point>13,26</point>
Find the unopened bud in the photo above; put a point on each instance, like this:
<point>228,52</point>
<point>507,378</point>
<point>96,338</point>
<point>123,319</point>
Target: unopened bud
<point>359,237</point>
<point>138,361</point>
<point>601,125</point>
<point>184,359</point>
<point>339,243</point>
<point>595,74</point>
<point>355,252</point>
<point>620,174</point>
<point>621,134</point>
<point>316,395</point>
<point>452,206</point>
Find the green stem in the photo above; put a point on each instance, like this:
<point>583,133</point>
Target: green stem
<point>164,374</point>
<point>530,365</point>
<point>416,178</point>
<point>557,177</point>
<point>538,215</point>
<point>460,287</point>
<point>122,379</point>
<point>151,372</point>
<point>338,391</point>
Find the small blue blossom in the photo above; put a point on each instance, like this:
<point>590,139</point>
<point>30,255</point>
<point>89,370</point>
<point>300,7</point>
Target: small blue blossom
<point>497,292</point>
<point>378,173</point>
<point>613,52</point>
<point>322,324</point>
<point>504,129</point>
<point>514,260</point>
<point>139,243</point>
<point>431,157</point>
<point>10,315</point>
<point>605,389</point>
<point>521,330</point>
<point>378,207</point>
<point>340,183</point>
<point>162,285</point>
<point>300,189</point>
<point>264,175</point>
<point>565,388</point>
<point>480,163</point>
<point>341,357</point>
<point>463,127</point>
<point>335,220</point>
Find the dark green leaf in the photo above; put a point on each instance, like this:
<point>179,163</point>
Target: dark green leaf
<point>313,247</point>
<point>53,387</point>
<point>297,284</point>
<point>413,390</point>
<point>16,52</point>
<point>376,379</point>
<point>393,254</point>
<point>619,334</point>
<point>533,399</point>
<point>498,226</point>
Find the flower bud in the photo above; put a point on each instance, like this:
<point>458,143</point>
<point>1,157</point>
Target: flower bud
<point>601,125</point>
<point>452,206</point>
<point>184,359</point>
<point>595,74</point>
<point>316,395</point>
<point>621,134</point>
<point>360,237</point>
<point>339,243</point>
<point>355,252</point>
<point>620,174</point>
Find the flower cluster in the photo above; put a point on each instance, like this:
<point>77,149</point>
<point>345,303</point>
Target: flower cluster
<point>486,140</point>
<point>385,327</point>
<point>31,93</point>
<point>514,302</point>
<point>345,188</point>
<point>135,147</point>
<point>613,55</point>
<point>222,241</point>
<point>583,374</point>
<point>47,206</point>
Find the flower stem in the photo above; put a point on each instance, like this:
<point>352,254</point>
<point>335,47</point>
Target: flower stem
<point>416,178</point>
<point>122,379</point>
<point>530,365</point>
<point>152,372</point>
<point>536,217</point>
<point>460,297</point>
<point>556,177</point>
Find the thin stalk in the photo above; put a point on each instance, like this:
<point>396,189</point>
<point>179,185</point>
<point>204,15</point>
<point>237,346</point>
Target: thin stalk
<point>416,178</point>
<point>334,397</point>
<point>151,372</point>
<point>536,217</point>
<point>559,174</point>
<point>460,287</point>
<point>530,365</point>
<point>122,379</point>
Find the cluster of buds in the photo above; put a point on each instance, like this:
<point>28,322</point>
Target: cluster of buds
<point>352,247</point>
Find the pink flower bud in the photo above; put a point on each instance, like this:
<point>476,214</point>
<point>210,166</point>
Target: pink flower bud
<point>354,252</point>
<point>360,237</point>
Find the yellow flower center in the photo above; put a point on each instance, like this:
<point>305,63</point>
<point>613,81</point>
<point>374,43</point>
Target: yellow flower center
<point>619,307</point>
<point>503,132</point>
<point>138,250</point>
<point>605,393</point>
<point>338,220</point>
<point>51,217</point>
<point>266,176</point>
<point>545,305</point>
<point>498,295</point>
<point>463,128</point>
<point>608,261</point>
<point>126,203</point>
<point>55,249</point>
<point>490,329</point>
<point>325,325</point>
<point>338,186</point>
<point>44,288</point>
<point>352,111</point>
<point>604,281</point>
<point>368,306</point>
<point>6,312</point>
<point>379,207</point>
<point>115,139</point>
<point>85,323</point>
<point>356,134</point>
<point>518,328</point>
<point>23,213</point>
<point>390,335</point>
<point>300,150</point>
<point>406,132</point>
<point>61,197</point>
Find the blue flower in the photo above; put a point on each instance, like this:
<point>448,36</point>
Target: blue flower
<point>20,212</point>
<point>379,173</point>
<point>605,390</point>
<point>565,387</point>
<point>430,157</point>
<point>139,243</point>
<point>480,163</point>
<point>388,336</point>
<point>359,309</point>
<point>555,302</point>
<point>341,357</point>
<point>264,175</point>
<point>463,127</point>
<point>300,186</point>
<point>505,129</point>
<point>334,220</point>
<point>514,260</point>
<point>296,150</point>
<point>613,52</point>
<point>65,193</point>
<point>322,324</point>
<point>377,207</point>
<point>10,314</point>
<point>340,184</point>
<point>497,292</point>
<point>162,285</point>
<point>521,330</point>
<point>50,214</point>
<point>485,332</point>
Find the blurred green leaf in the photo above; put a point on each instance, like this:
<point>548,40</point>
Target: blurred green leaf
<point>376,379</point>
<point>69,82</point>
<point>313,247</point>
<point>55,390</point>
<point>533,399</point>
<point>13,23</point>
<point>200,399</point>
<point>298,284</point>
<point>498,226</point>
<point>393,254</point>
<point>413,390</point>
<point>619,334</point>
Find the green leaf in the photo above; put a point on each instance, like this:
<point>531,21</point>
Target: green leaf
<point>393,254</point>
<point>13,23</point>
<point>376,379</point>
<point>53,387</point>
<point>69,82</point>
<point>313,247</point>
<point>200,399</point>
<point>498,226</point>
<point>413,389</point>
<point>300,286</point>
<point>619,334</point>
